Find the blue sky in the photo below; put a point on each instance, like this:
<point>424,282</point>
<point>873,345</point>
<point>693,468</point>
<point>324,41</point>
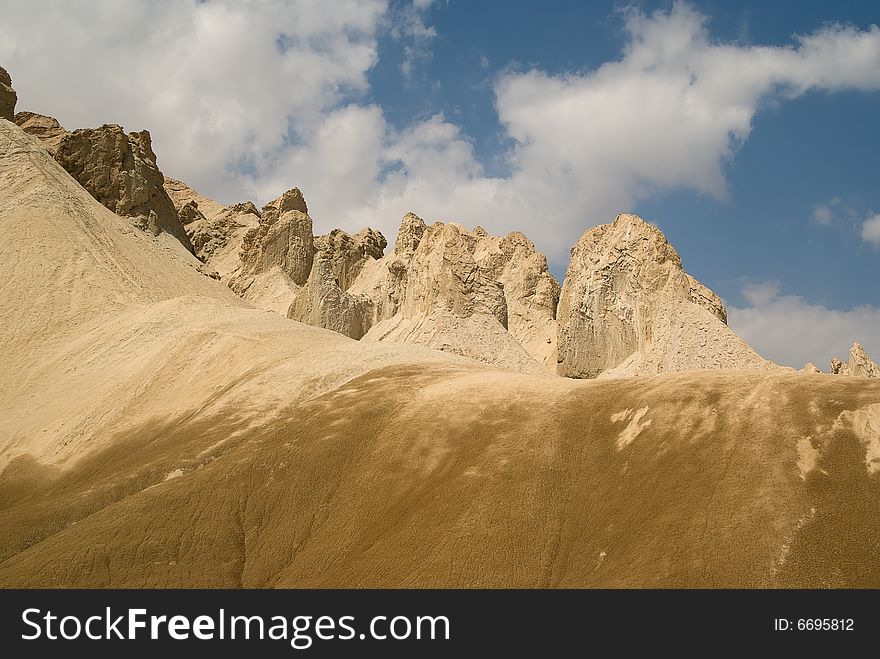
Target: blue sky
<point>746,130</point>
<point>801,154</point>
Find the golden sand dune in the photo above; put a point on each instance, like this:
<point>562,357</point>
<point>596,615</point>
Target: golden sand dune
<point>155,430</point>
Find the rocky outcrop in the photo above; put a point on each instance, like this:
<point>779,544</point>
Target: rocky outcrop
<point>46,129</point>
<point>628,307</point>
<point>8,97</point>
<point>189,213</point>
<point>384,281</point>
<point>218,240</point>
<point>323,303</point>
<point>486,297</point>
<point>531,293</point>
<point>216,231</point>
<point>276,255</point>
<point>282,239</point>
<point>348,254</point>
<point>181,195</point>
<point>324,300</point>
<point>120,171</point>
<point>859,364</point>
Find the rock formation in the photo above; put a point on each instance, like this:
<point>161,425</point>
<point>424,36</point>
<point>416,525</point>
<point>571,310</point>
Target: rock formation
<point>117,169</point>
<point>218,241</point>
<point>156,431</point>
<point>181,194</point>
<point>46,129</point>
<point>628,307</point>
<point>189,213</point>
<point>531,293</point>
<point>8,97</point>
<point>859,364</point>
<point>470,293</point>
<point>215,231</point>
<point>276,254</point>
<point>323,301</point>
<point>120,171</point>
<point>384,281</point>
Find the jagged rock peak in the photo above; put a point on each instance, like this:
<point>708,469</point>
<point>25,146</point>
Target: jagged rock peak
<point>628,307</point>
<point>8,97</point>
<point>412,228</point>
<point>245,207</point>
<point>859,364</point>
<point>292,200</point>
<point>283,239</point>
<point>486,297</point>
<point>181,194</point>
<point>347,254</point>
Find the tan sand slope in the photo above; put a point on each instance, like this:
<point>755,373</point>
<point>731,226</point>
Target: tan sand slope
<point>155,430</point>
<point>104,324</point>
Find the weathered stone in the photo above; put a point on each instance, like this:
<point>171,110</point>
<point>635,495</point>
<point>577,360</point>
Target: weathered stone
<point>8,97</point>
<point>120,171</point>
<point>859,364</point>
<point>628,307</point>
<point>46,129</point>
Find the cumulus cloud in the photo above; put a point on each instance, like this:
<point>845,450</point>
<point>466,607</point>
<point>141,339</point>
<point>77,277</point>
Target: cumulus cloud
<point>759,294</point>
<point>670,113</point>
<point>246,100</point>
<point>793,332</point>
<point>871,230</point>
<point>221,85</point>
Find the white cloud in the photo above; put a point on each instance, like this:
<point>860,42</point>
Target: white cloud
<point>825,214</point>
<point>792,332</point>
<point>238,110</point>
<point>760,294</point>
<point>219,84</point>
<point>822,215</point>
<point>871,230</point>
<point>408,25</point>
<point>670,113</point>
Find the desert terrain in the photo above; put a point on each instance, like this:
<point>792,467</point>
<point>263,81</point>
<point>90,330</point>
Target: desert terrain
<point>200,395</point>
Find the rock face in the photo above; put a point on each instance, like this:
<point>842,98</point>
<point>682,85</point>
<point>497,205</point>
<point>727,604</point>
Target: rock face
<point>324,300</point>
<point>8,97</point>
<point>485,297</point>
<point>46,129</point>
<point>628,307</point>
<point>531,293</point>
<point>215,231</point>
<point>276,254</point>
<point>859,364</point>
<point>181,194</point>
<point>218,240</point>
<point>119,170</point>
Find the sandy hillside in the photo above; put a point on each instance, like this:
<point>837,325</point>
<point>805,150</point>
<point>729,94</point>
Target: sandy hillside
<point>156,430</point>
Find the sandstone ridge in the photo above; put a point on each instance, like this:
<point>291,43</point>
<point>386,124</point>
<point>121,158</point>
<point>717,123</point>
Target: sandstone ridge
<point>628,308</point>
